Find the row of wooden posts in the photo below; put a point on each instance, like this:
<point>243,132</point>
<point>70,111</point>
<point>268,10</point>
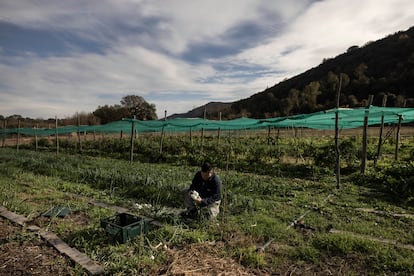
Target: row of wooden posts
<point>337,169</point>
<point>364,136</point>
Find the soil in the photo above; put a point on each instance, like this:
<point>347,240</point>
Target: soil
<point>25,253</point>
<point>204,259</point>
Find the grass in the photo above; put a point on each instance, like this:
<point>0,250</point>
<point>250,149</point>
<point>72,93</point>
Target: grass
<point>256,209</point>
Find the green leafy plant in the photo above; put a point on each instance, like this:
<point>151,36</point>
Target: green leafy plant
<point>250,257</point>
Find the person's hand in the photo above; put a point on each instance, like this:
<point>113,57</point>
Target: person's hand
<point>194,195</point>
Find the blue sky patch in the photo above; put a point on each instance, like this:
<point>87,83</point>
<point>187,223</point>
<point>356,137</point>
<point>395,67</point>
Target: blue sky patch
<point>15,40</point>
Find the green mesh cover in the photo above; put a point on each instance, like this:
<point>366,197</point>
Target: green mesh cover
<point>348,118</point>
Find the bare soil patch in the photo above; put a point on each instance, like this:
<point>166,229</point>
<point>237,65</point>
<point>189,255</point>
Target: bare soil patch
<point>25,253</point>
<point>204,259</point>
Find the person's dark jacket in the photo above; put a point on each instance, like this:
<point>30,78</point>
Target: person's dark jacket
<point>209,191</point>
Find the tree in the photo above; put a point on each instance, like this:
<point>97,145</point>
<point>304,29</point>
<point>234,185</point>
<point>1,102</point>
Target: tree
<point>290,105</point>
<point>352,101</point>
<point>352,48</point>
<point>108,114</point>
<point>139,107</point>
<point>308,97</point>
<point>130,105</point>
<point>359,73</point>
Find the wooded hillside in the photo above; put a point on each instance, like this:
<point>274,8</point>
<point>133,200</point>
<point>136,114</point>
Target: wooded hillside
<point>383,67</point>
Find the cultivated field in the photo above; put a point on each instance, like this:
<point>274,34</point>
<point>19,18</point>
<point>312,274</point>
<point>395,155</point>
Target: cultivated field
<point>283,213</point>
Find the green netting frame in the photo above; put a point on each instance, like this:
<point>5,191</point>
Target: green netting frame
<point>324,120</point>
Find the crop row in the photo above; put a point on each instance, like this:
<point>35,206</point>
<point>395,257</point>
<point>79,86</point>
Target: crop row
<point>263,155</point>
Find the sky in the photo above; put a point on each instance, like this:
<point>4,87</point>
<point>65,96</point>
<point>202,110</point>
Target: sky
<point>58,58</point>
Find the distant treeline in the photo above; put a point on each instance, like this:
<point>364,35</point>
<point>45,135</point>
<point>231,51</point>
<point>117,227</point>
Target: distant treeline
<point>131,105</point>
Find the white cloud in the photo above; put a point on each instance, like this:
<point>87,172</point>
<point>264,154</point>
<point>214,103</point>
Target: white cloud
<point>144,40</point>
<point>327,29</point>
<point>78,81</point>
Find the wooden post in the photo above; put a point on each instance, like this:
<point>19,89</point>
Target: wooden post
<point>131,155</point>
<point>162,131</point>
<point>101,140</point>
<point>364,135</point>
<point>202,129</point>
<point>4,136</point>
<point>202,138</point>
<point>337,151</point>
<point>18,135</point>
<point>36,140</point>
<point>268,135</point>
<point>79,135</point>
<point>384,103</point>
<point>219,131</point>
<point>218,136</point>
<point>397,137</point>
<point>56,134</point>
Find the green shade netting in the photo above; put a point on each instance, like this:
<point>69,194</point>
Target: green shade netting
<point>324,120</point>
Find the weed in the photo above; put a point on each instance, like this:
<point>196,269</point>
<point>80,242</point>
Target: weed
<point>343,244</point>
<point>250,257</point>
<point>307,253</point>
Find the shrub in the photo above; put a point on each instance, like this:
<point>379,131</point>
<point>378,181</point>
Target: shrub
<point>42,142</point>
<point>396,179</point>
<point>325,155</point>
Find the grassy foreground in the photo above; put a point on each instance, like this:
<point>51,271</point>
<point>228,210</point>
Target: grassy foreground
<point>258,212</point>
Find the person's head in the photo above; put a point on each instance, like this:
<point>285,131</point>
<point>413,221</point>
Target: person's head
<point>206,171</point>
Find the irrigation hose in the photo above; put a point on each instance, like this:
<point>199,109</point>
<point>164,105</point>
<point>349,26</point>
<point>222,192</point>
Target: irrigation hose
<point>293,223</point>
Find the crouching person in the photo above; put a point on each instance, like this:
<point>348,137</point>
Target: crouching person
<point>204,192</point>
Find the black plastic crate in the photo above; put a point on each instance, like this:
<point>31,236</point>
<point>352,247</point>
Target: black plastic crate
<point>124,226</point>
